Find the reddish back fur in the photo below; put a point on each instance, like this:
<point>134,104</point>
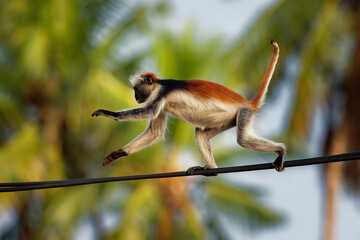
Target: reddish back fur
<point>210,90</point>
<point>152,75</point>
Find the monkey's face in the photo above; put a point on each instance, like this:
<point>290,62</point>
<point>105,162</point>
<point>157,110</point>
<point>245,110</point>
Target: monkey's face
<point>142,93</point>
<point>143,89</point>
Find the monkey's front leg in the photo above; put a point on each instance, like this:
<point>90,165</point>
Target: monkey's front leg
<point>152,133</point>
<point>149,111</point>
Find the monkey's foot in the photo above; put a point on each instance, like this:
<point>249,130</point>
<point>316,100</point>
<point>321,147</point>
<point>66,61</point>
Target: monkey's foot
<point>113,156</point>
<point>279,164</point>
<point>192,170</point>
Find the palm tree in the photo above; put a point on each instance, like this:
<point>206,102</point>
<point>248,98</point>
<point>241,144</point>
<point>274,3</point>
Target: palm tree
<point>166,205</point>
<point>344,136</point>
<point>192,57</point>
<point>56,62</point>
<point>317,39</point>
<point>59,60</point>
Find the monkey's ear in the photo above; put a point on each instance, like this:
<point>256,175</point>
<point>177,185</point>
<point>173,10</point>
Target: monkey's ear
<point>149,80</point>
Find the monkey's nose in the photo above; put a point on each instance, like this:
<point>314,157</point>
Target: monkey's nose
<point>137,98</point>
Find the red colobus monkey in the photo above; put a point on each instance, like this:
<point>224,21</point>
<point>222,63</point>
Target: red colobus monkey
<point>210,107</point>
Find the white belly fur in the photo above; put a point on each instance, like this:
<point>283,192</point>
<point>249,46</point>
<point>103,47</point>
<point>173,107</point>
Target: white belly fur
<point>200,113</point>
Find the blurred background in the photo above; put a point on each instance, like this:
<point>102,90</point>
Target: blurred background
<point>61,60</point>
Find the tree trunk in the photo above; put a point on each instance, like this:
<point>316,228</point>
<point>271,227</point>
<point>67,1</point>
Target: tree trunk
<point>346,138</point>
<point>333,180</point>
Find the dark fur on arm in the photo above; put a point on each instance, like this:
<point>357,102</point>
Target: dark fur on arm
<point>148,111</point>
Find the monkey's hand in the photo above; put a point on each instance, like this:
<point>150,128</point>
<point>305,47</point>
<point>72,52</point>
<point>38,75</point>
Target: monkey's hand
<point>99,112</point>
<point>102,112</point>
<point>113,156</point>
<point>192,170</point>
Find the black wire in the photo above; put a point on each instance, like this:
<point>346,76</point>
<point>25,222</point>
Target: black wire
<point>25,186</point>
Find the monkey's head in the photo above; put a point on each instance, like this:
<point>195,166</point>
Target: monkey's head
<point>144,84</point>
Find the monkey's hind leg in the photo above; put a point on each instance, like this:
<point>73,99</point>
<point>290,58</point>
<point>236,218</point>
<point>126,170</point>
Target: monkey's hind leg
<point>248,139</point>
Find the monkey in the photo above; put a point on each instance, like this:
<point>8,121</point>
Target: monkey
<point>210,107</point>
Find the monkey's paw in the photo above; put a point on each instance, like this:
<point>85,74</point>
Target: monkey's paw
<point>279,164</point>
<point>192,170</point>
<point>113,156</point>
<point>99,112</point>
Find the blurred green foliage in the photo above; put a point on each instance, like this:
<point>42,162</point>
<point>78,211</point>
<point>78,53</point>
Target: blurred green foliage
<point>62,59</point>
<point>59,61</point>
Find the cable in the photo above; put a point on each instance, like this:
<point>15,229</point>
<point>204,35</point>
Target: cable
<point>25,186</point>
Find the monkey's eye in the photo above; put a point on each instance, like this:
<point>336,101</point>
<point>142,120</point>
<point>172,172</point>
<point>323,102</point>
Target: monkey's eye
<point>149,80</point>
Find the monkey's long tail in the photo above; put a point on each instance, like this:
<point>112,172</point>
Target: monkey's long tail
<point>258,100</point>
